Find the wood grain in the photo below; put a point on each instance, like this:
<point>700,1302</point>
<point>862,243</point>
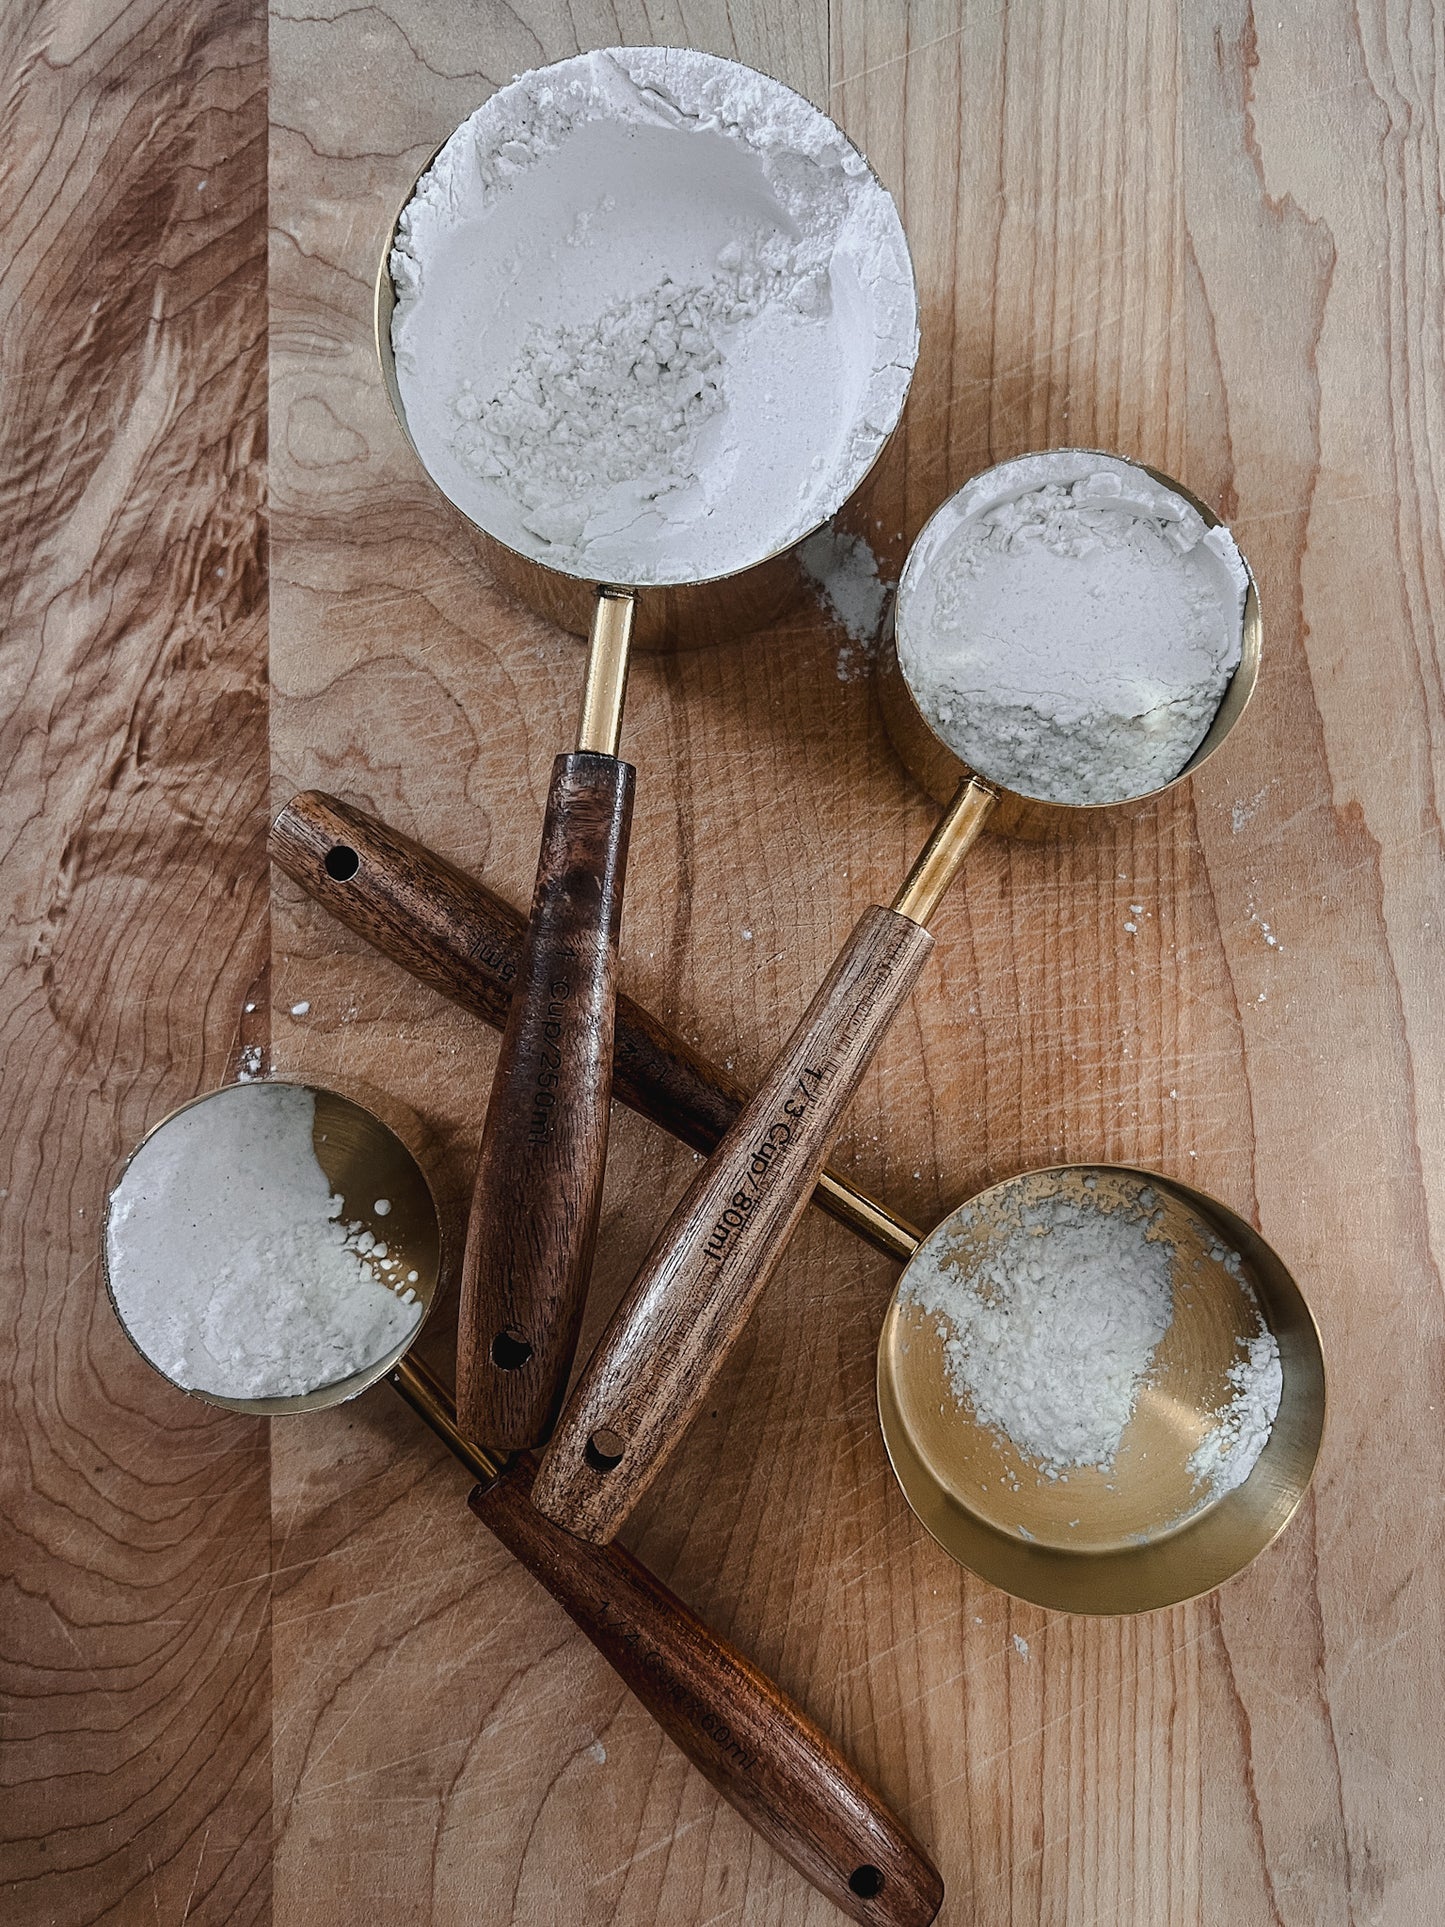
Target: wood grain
<point>134,1524</point>
<point>532,1226</point>
<point>680,1317</point>
<point>787,1780</point>
<point>1206,236</point>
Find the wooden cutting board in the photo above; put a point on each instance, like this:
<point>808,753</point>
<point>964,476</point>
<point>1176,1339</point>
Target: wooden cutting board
<point>278,1674</point>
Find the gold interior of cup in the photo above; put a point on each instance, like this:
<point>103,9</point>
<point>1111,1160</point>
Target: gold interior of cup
<point>364,1160</point>
<point>1140,1534</point>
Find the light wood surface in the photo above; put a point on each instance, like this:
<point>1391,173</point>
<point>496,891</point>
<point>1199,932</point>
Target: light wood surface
<point>253,1675</point>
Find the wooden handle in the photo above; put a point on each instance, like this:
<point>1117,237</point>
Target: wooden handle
<point>538,1192</point>
<point>687,1305</point>
<point>760,1750</point>
<point>453,933</point>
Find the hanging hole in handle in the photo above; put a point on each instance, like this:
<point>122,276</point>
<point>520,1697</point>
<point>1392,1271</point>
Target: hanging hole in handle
<point>509,1353</point>
<point>604,1451</point>
<point>866,1881</point>
<point>342,863</point>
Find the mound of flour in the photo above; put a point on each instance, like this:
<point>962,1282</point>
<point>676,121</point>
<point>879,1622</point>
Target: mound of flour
<point>1050,1336</point>
<point>654,315</point>
<point>1068,627</point>
<point>229,1261</point>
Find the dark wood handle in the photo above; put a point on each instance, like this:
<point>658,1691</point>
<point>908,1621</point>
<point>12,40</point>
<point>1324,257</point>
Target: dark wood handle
<point>687,1305</point>
<point>533,1222</point>
<point>759,1749</point>
<point>453,933</point>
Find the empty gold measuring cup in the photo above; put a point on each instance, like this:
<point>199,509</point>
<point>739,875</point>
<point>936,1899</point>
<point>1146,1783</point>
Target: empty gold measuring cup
<point>1144,1532</point>
<point>688,1304</point>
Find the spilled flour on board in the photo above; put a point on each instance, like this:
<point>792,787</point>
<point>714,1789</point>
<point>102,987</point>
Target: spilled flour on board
<point>845,572</point>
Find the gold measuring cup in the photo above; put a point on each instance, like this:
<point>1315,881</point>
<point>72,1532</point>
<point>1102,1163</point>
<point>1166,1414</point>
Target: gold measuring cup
<point>1142,1534</point>
<point>364,1160</point>
<point>754,1744</point>
<point>544,1142</point>
<point>689,1302</point>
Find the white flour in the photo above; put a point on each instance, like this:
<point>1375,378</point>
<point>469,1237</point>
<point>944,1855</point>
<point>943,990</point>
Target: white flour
<point>654,316</point>
<point>1050,1336</point>
<point>1069,627</point>
<point>1227,1454</point>
<point>229,1263</point>
<point>845,572</point>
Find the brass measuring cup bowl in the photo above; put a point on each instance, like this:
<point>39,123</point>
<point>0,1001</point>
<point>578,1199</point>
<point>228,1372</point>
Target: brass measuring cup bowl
<point>1141,1534</point>
<point>364,1161</point>
<point>538,1190</point>
<point>938,769</point>
<point>662,616</point>
<point>697,608</point>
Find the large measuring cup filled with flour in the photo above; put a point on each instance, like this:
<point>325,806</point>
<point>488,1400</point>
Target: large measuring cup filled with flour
<point>982,606</point>
<point>647,320</point>
<point>272,1248</point>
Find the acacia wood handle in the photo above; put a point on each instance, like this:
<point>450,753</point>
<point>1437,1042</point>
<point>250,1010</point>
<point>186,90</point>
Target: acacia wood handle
<point>452,933</point>
<point>758,1748</point>
<point>687,1306</point>
<point>533,1222</point>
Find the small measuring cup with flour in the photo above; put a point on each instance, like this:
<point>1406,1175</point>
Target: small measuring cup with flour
<point>1029,561</point>
<point>647,319</point>
<point>272,1248</point>
<point>1100,1389</point>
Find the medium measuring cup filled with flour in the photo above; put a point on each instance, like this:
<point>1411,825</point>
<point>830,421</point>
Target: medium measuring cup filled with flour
<point>647,319</point>
<point>1075,628</point>
<point>1100,1389</point>
<point>1027,556</point>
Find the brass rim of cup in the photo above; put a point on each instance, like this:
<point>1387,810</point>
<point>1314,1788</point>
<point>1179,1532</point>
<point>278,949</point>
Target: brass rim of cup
<point>939,770</point>
<point>353,1142</point>
<point>1140,1536</point>
<point>693,609</point>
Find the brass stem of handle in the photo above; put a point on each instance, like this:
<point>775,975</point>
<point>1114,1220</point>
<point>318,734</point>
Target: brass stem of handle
<point>428,1398</point>
<point>868,1216</point>
<point>939,860</point>
<point>600,725</point>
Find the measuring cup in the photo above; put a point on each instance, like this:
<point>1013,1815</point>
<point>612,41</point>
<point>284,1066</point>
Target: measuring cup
<point>687,1305</point>
<point>675,160</point>
<point>1144,1532</point>
<point>752,1742</point>
<point>364,1162</point>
